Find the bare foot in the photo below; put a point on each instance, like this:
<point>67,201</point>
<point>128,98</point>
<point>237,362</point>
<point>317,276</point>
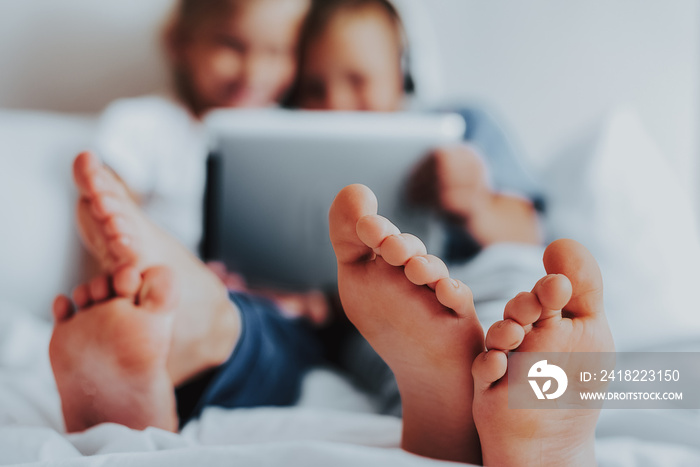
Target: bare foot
<point>421,322</point>
<point>109,355</point>
<point>563,313</point>
<point>117,232</point>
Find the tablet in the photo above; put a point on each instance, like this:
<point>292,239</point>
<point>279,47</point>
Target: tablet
<point>273,175</point>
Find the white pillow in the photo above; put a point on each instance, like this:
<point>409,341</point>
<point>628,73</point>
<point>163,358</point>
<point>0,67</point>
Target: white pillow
<point>40,252</point>
<point>620,197</point>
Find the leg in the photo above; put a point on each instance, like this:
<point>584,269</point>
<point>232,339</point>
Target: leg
<point>267,366</point>
<point>118,233</point>
<point>109,355</point>
<point>563,313</point>
<point>421,322</point>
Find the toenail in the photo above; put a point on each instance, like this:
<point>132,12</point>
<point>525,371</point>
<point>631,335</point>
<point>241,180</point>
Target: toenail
<point>454,283</point>
<point>421,259</point>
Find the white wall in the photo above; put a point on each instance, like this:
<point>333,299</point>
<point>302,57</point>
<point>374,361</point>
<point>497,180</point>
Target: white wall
<point>78,55</point>
<point>551,67</point>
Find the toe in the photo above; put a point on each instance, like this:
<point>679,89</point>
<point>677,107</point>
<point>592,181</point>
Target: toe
<point>126,282</point>
<point>158,290</point>
<point>524,309</point>
<point>62,308</point>
<point>398,249</point>
<point>105,206</point>
<point>350,205</point>
<point>553,292</point>
<point>455,295</point>
<point>84,168</point>
<point>374,229</point>
<point>488,367</point>
<point>573,260</point>
<point>504,335</point>
<point>116,226</point>
<point>100,289</point>
<point>121,250</point>
<point>81,296</point>
<point>92,178</point>
<point>426,270</point>
<point>90,229</point>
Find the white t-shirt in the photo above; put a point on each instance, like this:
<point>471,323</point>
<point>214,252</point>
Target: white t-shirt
<point>159,150</point>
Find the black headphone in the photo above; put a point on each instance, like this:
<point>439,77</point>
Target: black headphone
<point>409,84</point>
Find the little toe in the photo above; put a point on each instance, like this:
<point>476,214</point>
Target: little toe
<point>398,249</point>
<point>100,289</point>
<point>524,308</point>
<point>489,367</point>
<point>374,229</point>
<point>426,270</point>
<point>62,308</point>
<point>504,335</point>
<point>158,292</point>
<point>455,295</point>
<point>82,296</point>
<point>349,206</point>
<point>126,282</point>
<point>553,292</point>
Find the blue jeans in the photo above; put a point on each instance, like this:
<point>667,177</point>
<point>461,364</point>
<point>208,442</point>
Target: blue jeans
<point>265,369</point>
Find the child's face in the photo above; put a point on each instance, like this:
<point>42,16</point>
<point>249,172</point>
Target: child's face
<point>354,64</point>
<point>245,59</point>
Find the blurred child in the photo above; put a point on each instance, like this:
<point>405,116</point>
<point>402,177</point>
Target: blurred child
<point>234,53</point>
<point>353,57</point>
<point>221,53</point>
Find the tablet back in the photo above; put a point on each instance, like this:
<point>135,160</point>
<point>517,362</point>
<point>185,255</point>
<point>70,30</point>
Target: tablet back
<point>276,174</point>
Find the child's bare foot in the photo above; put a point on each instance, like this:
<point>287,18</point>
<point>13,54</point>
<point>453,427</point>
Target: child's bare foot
<point>563,313</point>
<point>421,322</point>
<point>118,233</point>
<point>109,355</point>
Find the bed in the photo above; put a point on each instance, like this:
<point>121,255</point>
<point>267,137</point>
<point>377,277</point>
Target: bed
<point>644,239</point>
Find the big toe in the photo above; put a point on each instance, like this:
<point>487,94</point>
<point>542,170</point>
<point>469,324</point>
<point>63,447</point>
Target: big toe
<point>573,260</point>
<point>85,166</point>
<point>350,205</point>
<point>92,177</point>
<point>158,291</point>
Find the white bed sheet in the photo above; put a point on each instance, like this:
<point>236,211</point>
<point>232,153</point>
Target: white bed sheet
<point>332,426</point>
